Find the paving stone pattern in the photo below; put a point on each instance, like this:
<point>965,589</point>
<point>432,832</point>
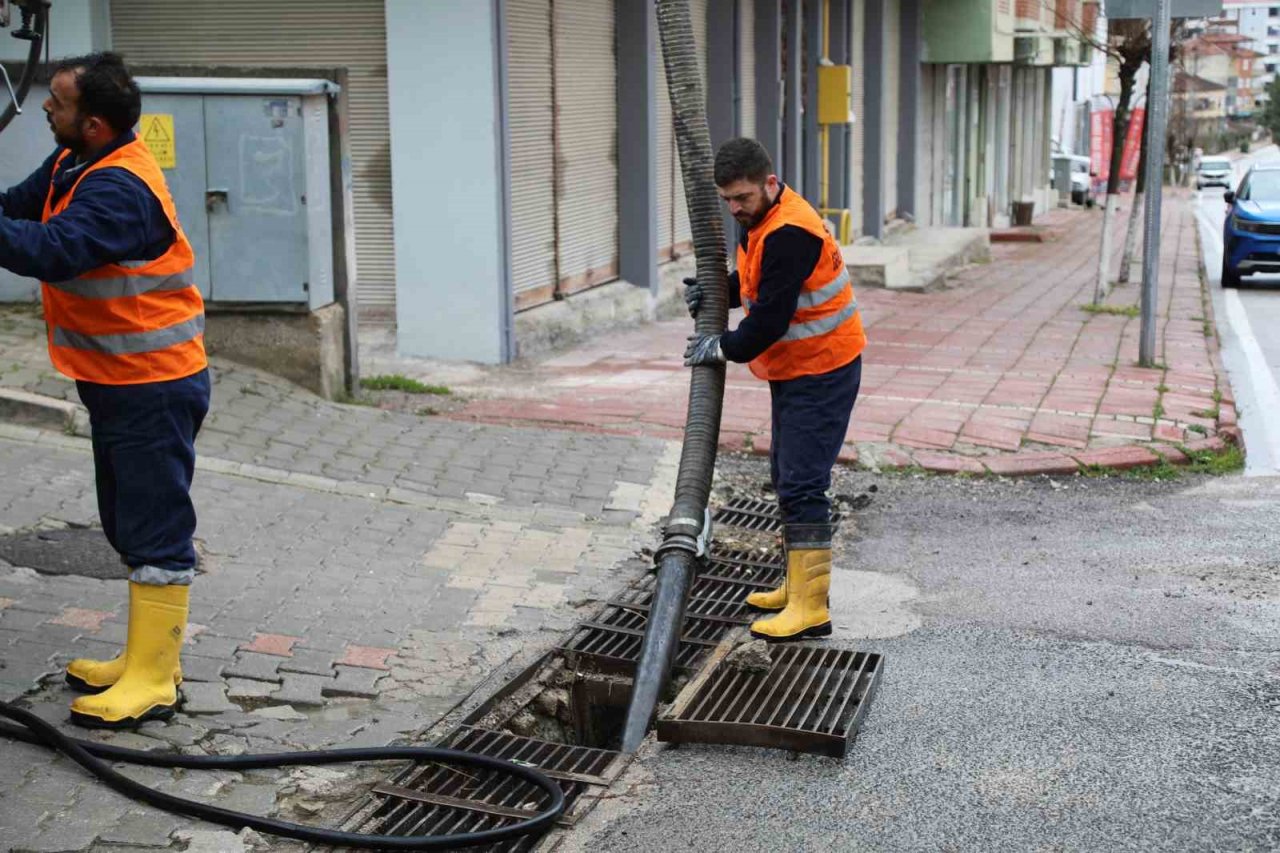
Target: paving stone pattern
<point>320,619</point>
<point>1000,371</point>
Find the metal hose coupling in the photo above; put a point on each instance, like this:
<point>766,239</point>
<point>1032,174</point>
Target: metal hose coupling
<point>687,534</point>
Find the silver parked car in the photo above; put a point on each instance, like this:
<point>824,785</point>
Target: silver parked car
<point>1213,172</point>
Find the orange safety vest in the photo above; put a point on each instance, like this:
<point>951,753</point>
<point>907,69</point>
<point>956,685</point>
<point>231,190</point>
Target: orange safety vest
<point>127,322</point>
<point>826,330</point>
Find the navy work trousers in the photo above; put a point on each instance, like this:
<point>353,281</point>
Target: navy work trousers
<point>810,418</point>
<point>144,456</point>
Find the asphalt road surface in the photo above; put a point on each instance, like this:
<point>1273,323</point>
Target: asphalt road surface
<point>1081,664</point>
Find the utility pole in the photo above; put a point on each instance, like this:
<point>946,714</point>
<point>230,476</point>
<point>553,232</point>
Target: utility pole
<point>1157,119</point>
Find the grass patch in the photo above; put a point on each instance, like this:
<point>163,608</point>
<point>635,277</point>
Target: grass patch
<point>1114,310</point>
<point>1226,461</point>
<point>1211,414</point>
<point>1162,388</point>
<point>1160,472</point>
<point>396,382</point>
<point>1157,411</point>
<point>1196,428</point>
<point>1217,396</point>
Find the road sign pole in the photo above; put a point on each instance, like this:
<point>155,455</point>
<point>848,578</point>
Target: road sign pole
<point>1157,120</point>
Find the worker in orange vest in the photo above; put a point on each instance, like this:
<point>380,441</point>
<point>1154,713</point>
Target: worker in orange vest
<point>97,225</point>
<point>803,334</point>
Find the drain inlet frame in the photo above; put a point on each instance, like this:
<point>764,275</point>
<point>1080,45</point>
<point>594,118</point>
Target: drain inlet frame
<point>700,714</point>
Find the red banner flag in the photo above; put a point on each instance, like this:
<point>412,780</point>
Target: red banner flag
<point>1100,144</point>
<point>1132,145</point>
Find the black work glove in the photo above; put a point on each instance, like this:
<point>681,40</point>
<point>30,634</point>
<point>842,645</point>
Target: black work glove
<point>692,296</point>
<point>703,349</point>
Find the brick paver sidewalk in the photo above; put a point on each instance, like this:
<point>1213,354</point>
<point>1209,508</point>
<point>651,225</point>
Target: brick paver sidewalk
<point>1004,371</point>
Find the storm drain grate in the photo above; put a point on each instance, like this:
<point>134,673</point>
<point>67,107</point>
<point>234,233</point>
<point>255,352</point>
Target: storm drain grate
<point>434,798</point>
<point>613,641</point>
<point>812,699</point>
<point>711,598</point>
<point>756,515</point>
<point>749,567</point>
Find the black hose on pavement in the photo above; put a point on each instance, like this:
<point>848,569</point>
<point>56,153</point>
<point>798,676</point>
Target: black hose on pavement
<point>686,533</point>
<point>94,756</point>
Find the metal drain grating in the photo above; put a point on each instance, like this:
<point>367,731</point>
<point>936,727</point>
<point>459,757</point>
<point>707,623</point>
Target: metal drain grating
<point>613,641</point>
<point>812,699</point>
<point>749,567</point>
<point>710,598</point>
<point>757,515</point>
<point>434,798</point>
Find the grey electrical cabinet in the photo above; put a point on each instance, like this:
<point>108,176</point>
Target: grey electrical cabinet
<point>247,162</point>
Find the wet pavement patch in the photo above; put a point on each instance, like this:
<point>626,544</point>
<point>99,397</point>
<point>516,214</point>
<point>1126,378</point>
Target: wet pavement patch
<point>82,551</point>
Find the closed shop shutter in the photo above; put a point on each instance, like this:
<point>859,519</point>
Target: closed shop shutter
<point>667,164</point>
<point>586,115</point>
<point>892,80</point>
<point>858,18</point>
<point>682,231</point>
<point>303,34</point>
<point>533,214</point>
<point>747,68</point>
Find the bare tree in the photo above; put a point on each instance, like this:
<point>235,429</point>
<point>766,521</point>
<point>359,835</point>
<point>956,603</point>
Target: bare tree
<point>1128,44</point>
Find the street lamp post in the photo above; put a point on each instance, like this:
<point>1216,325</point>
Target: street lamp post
<point>1158,117</point>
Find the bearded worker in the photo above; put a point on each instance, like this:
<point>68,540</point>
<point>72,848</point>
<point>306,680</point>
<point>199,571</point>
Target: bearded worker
<point>97,225</point>
<point>801,333</point>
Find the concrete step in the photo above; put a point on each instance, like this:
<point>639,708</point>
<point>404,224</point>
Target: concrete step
<point>37,410</point>
<point>917,259</point>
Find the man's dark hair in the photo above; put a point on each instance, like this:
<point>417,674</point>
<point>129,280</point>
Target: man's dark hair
<point>740,159</point>
<point>106,88</point>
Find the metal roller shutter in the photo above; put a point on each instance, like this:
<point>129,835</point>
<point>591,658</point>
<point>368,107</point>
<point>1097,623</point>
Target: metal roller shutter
<point>666,143</point>
<point>586,185</point>
<point>533,211</point>
<point>858,59</point>
<point>892,80</point>
<point>294,33</point>
<point>747,68</point>
<point>682,230</point>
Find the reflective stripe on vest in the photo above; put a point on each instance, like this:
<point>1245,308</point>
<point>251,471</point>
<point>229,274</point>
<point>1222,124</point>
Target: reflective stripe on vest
<point>133,342</point>
<point>814,298</point>
<point>114,287</point>
<point>800,331</point>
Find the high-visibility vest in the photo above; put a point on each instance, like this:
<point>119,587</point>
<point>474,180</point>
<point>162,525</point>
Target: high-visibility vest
<point>127,322</point>
<point>826,330</point>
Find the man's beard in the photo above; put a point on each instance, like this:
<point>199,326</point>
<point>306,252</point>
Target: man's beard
<point>750,221</point>
<point>74,143</point>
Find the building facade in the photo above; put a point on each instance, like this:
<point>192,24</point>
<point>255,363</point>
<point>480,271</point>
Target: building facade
<point>513,163</point>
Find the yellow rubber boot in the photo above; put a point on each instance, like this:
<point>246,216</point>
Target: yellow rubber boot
<point>774,599</point>
<point>145,690</point>
<point>85,675</point>
<point>806,615</point>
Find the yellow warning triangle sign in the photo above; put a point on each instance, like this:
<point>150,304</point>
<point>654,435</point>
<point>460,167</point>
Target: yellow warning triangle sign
<point>156,132</point>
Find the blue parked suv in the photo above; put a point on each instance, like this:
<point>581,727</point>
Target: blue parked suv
<point>1251,235</point>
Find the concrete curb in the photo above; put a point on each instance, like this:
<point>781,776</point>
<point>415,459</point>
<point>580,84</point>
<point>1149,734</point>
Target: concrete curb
<point>37,410</point>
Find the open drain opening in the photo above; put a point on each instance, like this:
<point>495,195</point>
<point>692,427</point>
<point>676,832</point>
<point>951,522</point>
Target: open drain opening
<point>565,712</point>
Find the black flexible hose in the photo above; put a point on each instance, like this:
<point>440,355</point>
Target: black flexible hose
<point>91,757</point>
<point>679,550</point>
<point>41,27</point>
